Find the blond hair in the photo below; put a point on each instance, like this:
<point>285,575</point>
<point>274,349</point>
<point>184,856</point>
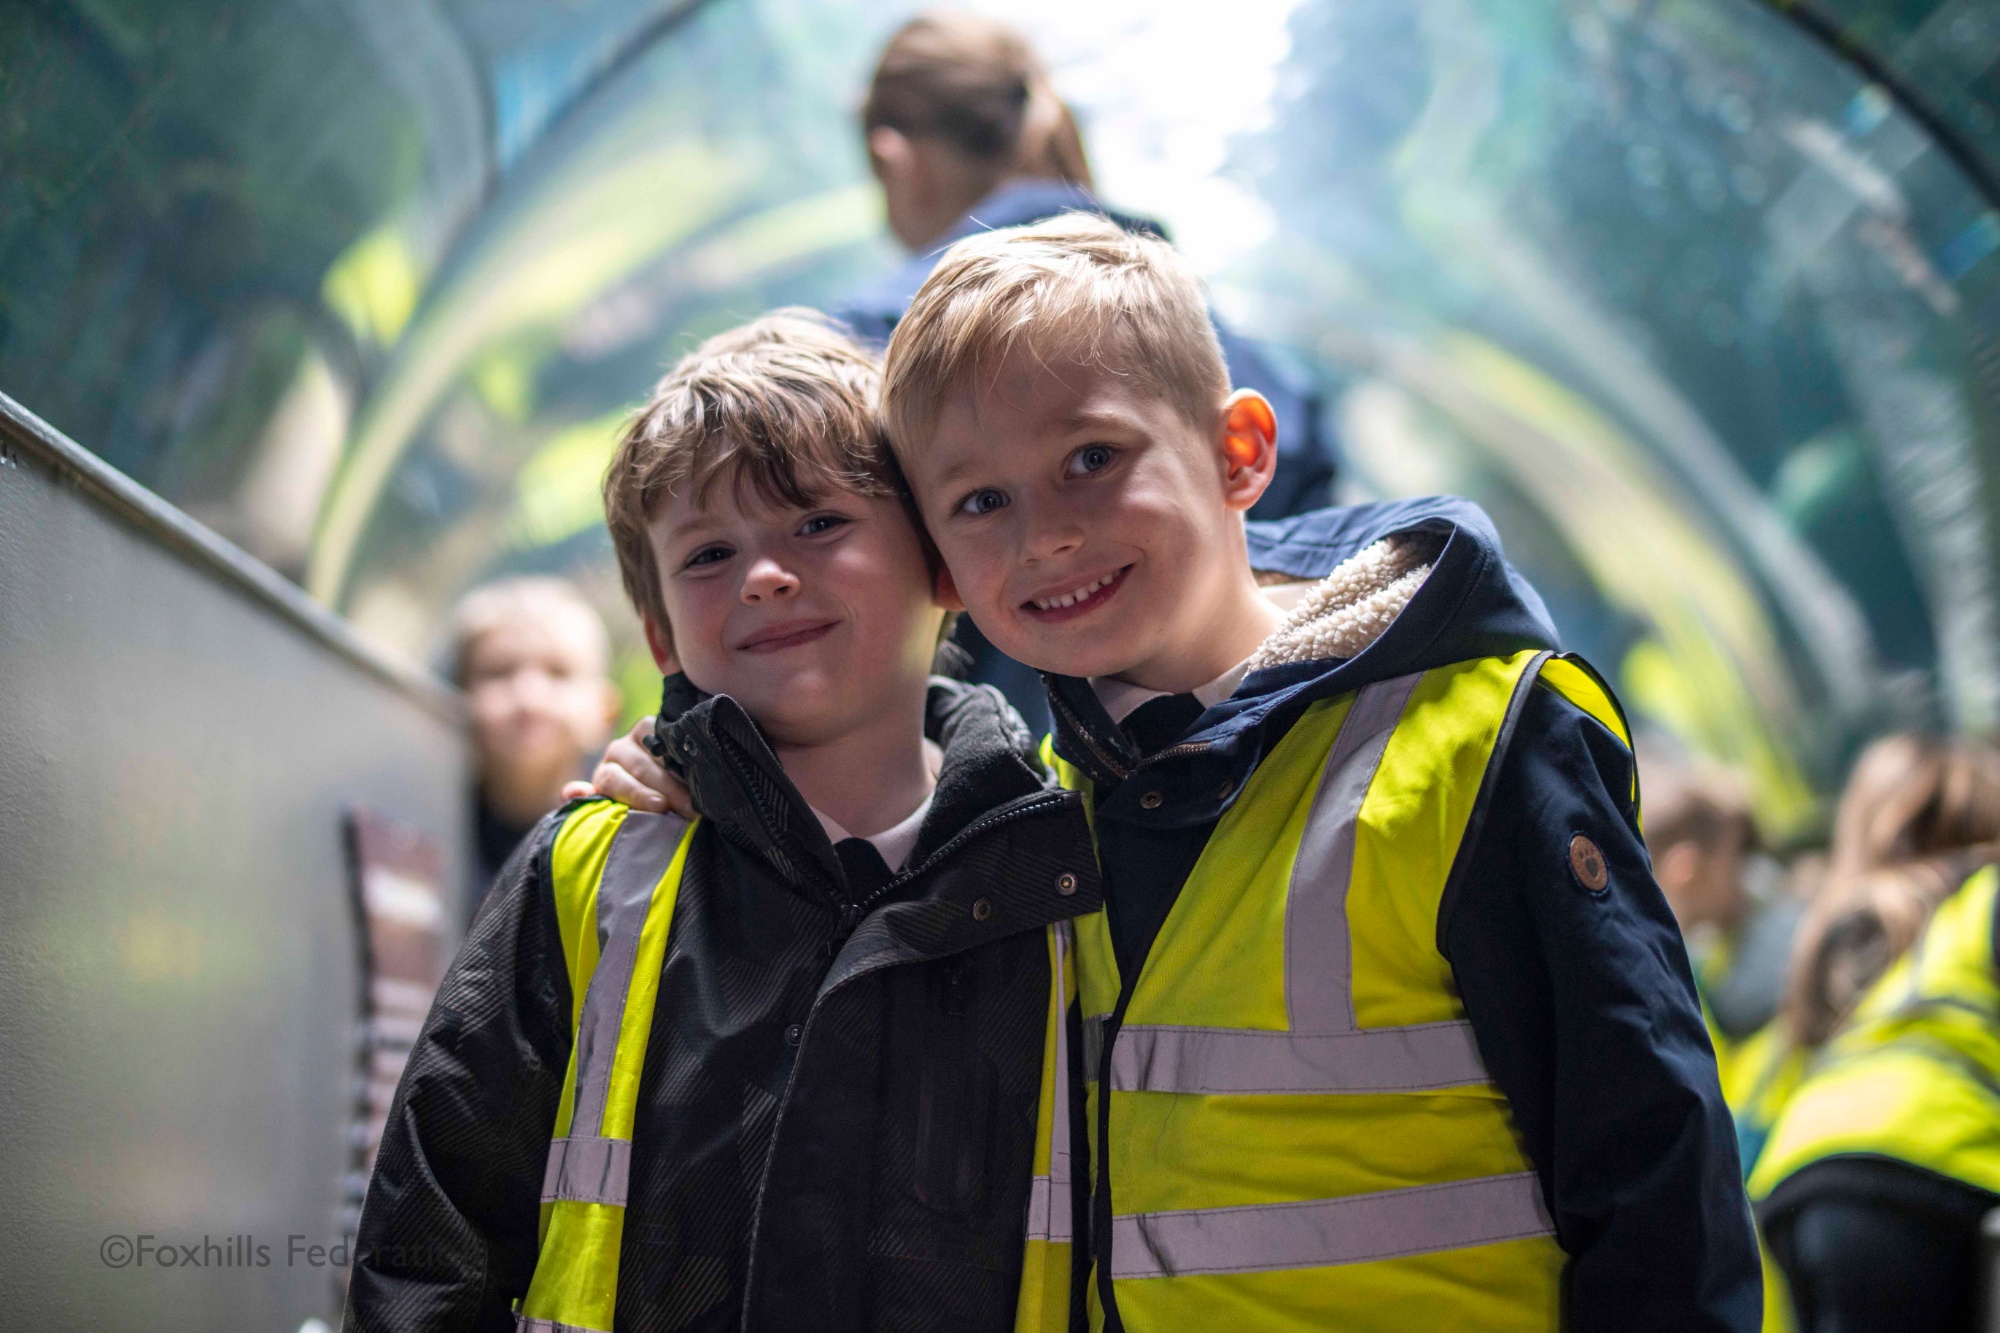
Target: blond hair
<point>538,599</point>
<point>1077,286</point>
<point>784,405</point>
<point>975,83</point>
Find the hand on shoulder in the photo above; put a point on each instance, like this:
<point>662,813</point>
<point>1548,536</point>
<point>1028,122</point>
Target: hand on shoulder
<point>629,774</point>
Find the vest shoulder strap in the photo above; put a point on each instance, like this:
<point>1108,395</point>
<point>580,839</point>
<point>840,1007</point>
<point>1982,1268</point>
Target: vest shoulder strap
<point>616,877</point>
<point>1577,681</point>
<point>576,865</point>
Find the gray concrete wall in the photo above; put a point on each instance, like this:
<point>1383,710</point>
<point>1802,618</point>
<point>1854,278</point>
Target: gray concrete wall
<point>180,733</point>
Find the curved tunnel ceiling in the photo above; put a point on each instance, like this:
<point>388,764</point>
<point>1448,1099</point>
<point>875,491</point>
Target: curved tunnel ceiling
<point>1697,296</point>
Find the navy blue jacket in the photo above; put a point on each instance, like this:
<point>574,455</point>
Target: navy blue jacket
<point>1304,479</point>
<point>1583,1004</point>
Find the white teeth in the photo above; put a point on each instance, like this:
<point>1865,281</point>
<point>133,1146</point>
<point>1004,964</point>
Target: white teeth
<point>1072,598</point>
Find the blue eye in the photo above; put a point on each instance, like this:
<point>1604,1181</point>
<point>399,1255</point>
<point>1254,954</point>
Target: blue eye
<point>1091,458</point>
<point>820,523</point>
<point>983,502</point>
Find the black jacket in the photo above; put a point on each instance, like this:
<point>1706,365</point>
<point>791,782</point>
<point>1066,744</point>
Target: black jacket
<point>837,1110</point>
<point>1583,1004</point>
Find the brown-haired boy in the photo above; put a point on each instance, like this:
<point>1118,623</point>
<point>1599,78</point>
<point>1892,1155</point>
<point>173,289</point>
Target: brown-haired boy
<point>788,1067</point>
<point>1387,1024</point>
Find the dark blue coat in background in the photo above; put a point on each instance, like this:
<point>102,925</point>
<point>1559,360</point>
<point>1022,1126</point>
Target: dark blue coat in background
<point>1304,478</point>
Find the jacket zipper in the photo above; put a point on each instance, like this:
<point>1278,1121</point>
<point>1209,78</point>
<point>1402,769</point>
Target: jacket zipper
<point>1117,766</point>
<point>993,819</point>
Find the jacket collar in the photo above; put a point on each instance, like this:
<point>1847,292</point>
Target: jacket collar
<point>1471,604</point>
<point>736,781</point>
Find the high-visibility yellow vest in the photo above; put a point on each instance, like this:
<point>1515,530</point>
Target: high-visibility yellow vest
<point>1915,1075</point>
<point>616,874</point>
<point>1760,1076</point>
<point>1302,1134</point>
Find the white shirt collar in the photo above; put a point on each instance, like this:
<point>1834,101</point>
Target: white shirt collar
<point>894,844</point>
<point>1121,698</point>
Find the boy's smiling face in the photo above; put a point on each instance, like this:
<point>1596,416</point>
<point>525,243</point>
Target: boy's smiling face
<point>815,619</point>
<point>1089,527</point>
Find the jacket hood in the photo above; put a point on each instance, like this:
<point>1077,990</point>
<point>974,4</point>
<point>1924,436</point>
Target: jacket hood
<point>1401,586</point>
<point>735,780</point>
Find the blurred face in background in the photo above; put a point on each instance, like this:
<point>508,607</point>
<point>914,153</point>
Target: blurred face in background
<point>1703,880</point>
<point>542,704</point>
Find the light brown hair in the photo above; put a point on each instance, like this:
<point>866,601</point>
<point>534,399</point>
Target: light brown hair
<point>975,83</point>
<point>1918,816</point>
<point>1077,286</point>
<point>784,405</point>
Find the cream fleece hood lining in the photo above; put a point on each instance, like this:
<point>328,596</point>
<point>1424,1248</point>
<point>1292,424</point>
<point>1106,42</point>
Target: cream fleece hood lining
<point>1351,607</point>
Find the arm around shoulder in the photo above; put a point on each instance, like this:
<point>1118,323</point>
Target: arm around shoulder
<point>449,1230</point>
<point>1573,974</point>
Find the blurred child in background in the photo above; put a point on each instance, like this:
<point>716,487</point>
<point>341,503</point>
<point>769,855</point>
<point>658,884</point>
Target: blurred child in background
<point>1883,1145</point>
<point>1728,896</point>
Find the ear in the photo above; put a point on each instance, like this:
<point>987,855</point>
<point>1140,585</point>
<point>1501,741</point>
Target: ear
<point>890,154</point>
<point>660,643</point>
<point>1249,447</point>
<point>944,591</point>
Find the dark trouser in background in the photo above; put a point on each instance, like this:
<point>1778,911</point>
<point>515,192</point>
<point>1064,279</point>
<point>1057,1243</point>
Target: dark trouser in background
<point>1871,1245</point>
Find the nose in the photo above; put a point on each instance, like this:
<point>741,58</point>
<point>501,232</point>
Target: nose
<point>768,581</point>
<point>1050,529</point>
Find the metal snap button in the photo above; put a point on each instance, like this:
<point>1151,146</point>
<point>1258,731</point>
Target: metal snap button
<point>1152,800</point>
<point>794,1034</point>
<point>1065,884</point>
<point>1586,862</point>
<point>982,908</point>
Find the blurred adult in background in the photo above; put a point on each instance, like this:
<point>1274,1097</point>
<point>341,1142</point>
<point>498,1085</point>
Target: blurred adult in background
<point>534,661</point>
<point>1885,1157</point>
<point>965,133</point>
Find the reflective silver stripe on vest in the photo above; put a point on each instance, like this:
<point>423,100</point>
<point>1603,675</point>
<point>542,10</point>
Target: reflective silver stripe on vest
<point>583,1170</point>
<point>584,1167</point>
<point>1417,1058</point>
<point>1049,1201</point>
<point>1323,1232</point>
<point>1319,963</point>
<point>640,853</point>
<point>523,1324</point>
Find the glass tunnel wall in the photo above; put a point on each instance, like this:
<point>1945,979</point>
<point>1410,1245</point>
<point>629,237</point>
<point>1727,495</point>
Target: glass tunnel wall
<point>1702,314</point>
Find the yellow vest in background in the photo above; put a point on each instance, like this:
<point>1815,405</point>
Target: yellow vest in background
<point>1302,1134</point>
<point>1915,1075</point>
<point>617,874</point>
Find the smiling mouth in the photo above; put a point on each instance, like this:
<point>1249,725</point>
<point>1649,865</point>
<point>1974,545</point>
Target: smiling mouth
<point>793,635</point>
<point>1080,600</point>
